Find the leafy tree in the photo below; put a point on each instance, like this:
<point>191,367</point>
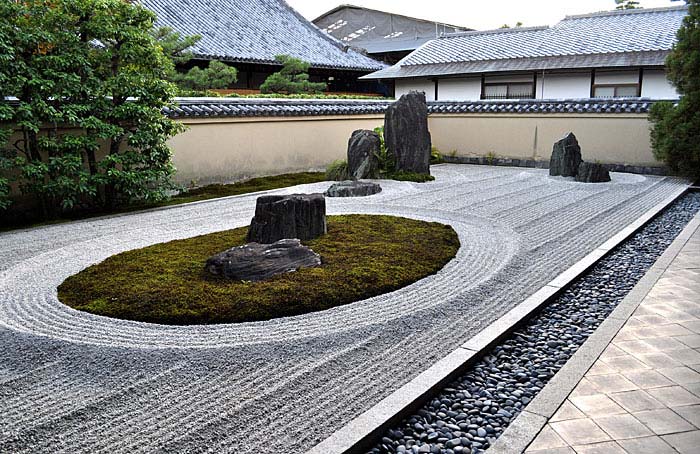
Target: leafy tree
<point>216,75</point>
<point>175,45</point>
<point>627,4</point>
<point>675,131</point>
<point>292,79</point>
<point>89,80</point>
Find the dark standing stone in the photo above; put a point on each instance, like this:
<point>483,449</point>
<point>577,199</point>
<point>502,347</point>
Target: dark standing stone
<point>257,262</point>
<point>406,134</point>
<point>363,147</point>
<point>353,189</point>
<point>301,216</point>
<point>592,173</point>
<point>566,157</point>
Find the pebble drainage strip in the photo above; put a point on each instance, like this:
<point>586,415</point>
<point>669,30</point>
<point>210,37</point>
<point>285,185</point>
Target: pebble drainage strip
<point>468,415</point>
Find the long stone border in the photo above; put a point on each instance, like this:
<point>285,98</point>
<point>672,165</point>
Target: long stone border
<point>523,430</point>
<point>360,434</point>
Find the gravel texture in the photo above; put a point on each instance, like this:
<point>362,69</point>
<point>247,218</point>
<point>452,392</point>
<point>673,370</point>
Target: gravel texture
<point>76,382</point>
<point>470,413</point>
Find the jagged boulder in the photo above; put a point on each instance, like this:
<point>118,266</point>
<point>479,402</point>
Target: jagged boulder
<point>589,172</point>
<point>258,262</point>
<point>363,147</point>
<point>566,157</point>
<point>353,189</point>
<point>277,217</point>
<point>406,134</point>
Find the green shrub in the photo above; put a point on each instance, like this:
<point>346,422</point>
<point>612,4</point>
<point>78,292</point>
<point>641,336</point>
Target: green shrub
<point>436,156</point>
<point>338,171</point>
<point>292,79</point>
<point>111,94</point>
<point>216,75</point>
<point>675,132</point>
<point>409,176</point>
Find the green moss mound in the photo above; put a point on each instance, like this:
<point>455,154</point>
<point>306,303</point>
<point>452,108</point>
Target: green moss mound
<point>363,256</point>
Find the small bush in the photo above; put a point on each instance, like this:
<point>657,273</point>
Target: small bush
<point>410,176</point>
<point>337,171</point>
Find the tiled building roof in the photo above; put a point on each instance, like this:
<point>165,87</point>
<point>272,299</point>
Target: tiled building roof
<point>218,107</point>
<point>617,38</point>
<point>380,31</point>
<point>254,31</point>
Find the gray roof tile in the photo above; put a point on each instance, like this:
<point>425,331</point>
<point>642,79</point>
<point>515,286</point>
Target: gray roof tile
<point>255,31</point>
<point>611,37</point>
<point>247,107</point>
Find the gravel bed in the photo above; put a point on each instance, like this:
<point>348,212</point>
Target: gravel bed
<point>474,410</point>
<point>73,382</point>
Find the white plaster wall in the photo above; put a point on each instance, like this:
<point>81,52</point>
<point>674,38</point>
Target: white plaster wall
<point>468,89</point>
<point>427,86</point>
<point>560,86</point>
<point>514,78</point>
<point>656,86</point>
<point>617,77</point>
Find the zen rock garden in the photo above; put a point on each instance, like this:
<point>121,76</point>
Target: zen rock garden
<point>275,235</point>
<point>406,138</point>
<point>566,161</point>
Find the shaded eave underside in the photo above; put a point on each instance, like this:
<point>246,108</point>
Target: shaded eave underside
<point>561,62</point>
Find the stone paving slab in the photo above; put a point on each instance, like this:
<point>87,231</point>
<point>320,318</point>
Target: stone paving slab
<point>642,394</point>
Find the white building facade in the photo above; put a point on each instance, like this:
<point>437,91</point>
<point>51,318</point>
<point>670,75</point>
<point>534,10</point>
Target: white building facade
<point>618,54</point>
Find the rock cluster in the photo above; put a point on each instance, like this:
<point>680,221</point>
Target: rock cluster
<point>566,161</point>
<point>353,189</point>
<point>589,172</point>
<point>257,262</point>
<point>406,134</point>
<point>566,157</point>
<point>363,147</point>
<point>277,217</point>
<point>467,416</point>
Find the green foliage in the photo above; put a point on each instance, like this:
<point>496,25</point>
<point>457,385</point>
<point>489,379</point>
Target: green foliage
<point>627,4</point>
<point>175,45</point>
<point>387,163</point>
<point>292,79</point>
<point>676,129</point>
<point>363,256</point>
<point>337,171</point>
<point>409,176</point>
<point>436,156</point>
<point>216,75</point>
<point>110,94</point>
<point>304,96</point>
<point>248,186</point>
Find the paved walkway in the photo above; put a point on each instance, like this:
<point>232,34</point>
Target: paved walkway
<point>642,395</point>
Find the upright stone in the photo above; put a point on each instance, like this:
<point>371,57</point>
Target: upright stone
<point>277,217</point>
<point>406,134</point>
<point>363,147</point>
<point>589,172</point>
<point>566,157</point>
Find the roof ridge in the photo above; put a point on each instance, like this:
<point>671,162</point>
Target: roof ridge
<point>623,12</point>
<point>348,5</point>
<point>495,31</point>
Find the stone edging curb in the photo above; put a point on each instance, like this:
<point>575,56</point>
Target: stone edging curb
<point>360,433</point>
<point>525,428</point>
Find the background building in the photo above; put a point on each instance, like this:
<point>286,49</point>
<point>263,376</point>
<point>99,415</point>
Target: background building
<point>249,33</point>
<point>385,36</point>
<point>600,55</point>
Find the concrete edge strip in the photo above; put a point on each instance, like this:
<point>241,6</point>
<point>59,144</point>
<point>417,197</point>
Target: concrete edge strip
<point>362,431</point>
<point>524,429</point>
